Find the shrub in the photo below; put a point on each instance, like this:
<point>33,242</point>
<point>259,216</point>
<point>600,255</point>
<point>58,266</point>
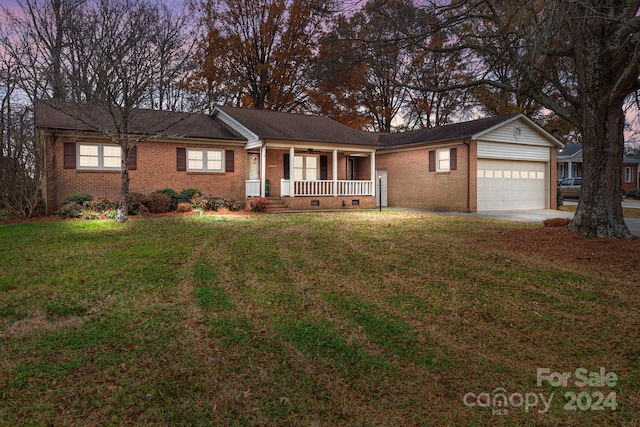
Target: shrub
<point>198,211</point>
<point>215,203</point>
<point>90,214</point>
<point>136,204</point>
<point>184,207</point>
<point>157,202</point>
<point>559,198</point>
<point>70,210</point>
<point>100,205</point>
<point>198,202</point>
<point>236,205</point>
<point>78,198</point>
<point>173,195</point>
<point>259,204</point>
<point>633,193</point>
<point>187,194</point>
<point>111,213</point>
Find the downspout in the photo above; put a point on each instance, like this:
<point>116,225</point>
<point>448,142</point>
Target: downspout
<point>468,144</point>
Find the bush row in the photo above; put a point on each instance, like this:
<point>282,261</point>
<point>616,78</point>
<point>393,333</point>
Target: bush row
<point>633,193</point>
<point>83,205</point>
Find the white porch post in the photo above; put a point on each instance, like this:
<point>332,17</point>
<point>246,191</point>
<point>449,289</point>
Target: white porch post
<point>373,173</point>
<point>335,173</point>
<point>570,167</point>
<point>292,171</point>
<point>263,169</point>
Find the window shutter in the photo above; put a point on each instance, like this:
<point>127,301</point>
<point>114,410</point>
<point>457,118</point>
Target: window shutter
<point>453,159</point>
<point>133,158</point>
<point>286,166</point>
<point>432,161</point>
<point>69,155</point>
<point>181,158</point>
<point>323,167</point>
<point>229,161</point>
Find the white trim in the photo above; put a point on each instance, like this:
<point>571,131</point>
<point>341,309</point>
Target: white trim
<point>99,156</point>
<point>439,152</point>
<point>205,159</point>
<point>253,140</point>
<point>335,173</point>
<point>628,174</point>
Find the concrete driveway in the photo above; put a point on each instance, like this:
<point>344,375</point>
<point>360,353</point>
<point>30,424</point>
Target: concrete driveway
<point>540,215</point>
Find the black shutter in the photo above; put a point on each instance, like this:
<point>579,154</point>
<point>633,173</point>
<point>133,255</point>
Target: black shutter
<point>432,161</point>
<point>453,156</point>
<point>69,155</point>
<point>133,158</point>
<point>323,167</point>
<point>286,165</point>
<point>181,159</point>
<point>229,160</point>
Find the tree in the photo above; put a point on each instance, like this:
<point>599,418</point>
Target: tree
<point>360,64</point>
<point>118,55</point>
<point>577,58</point>
<point>257,53</point>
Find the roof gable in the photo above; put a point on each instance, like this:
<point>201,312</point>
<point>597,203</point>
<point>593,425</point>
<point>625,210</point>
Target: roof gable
<point>274,125</point>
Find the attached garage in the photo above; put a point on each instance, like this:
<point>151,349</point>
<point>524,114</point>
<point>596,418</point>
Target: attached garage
<point>499,163</point>
<point>511,184</point>
<point>513,176</point>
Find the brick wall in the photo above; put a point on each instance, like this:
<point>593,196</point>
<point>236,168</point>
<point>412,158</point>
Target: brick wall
<point>411,185</point>
<point>156,169</point>
<point>342,202</point>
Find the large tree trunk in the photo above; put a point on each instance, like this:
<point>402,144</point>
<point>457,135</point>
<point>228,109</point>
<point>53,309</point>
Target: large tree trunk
<point>599,212</point>
<point>122,214</point>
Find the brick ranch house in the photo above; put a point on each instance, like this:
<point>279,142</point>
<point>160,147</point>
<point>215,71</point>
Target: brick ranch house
<point>305,161</point>
<point>570,166</point>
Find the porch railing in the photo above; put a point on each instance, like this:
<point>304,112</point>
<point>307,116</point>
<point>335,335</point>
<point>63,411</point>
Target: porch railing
<point>326,188</point>
<point>252,188</point>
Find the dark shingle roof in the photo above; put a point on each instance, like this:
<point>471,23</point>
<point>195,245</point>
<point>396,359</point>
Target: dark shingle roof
<point>91,117</point>
<point>569,150</point>
<point>443,133</point>
<point>298,127</point>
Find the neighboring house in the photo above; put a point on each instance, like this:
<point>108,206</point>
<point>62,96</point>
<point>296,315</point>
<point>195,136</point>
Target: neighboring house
<point>307,161</point>
<point>504,162</point>
<point>570,166</point>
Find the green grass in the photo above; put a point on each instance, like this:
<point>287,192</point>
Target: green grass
<point>352,318</point>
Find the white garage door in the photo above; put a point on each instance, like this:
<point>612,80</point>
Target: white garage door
<point>511,184</point>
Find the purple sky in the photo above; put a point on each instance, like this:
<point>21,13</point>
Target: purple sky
<point>11,4</point>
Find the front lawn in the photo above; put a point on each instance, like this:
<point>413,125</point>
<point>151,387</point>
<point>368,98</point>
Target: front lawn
<point>352,318</point>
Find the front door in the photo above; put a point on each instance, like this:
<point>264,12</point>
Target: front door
<point>351,168</point>
<point>254,167</point>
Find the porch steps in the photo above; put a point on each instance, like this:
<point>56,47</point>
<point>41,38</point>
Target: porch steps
<point>276,204</point>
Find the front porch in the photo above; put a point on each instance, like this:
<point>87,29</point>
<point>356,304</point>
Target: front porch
<point>314,172</point>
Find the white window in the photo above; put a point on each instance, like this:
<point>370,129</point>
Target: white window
<point>99,156</point>
<point>628,177</point>
<point>561,171</point>
<point>205,160</point>
<point>443,160</point>
<point>306,168</point>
